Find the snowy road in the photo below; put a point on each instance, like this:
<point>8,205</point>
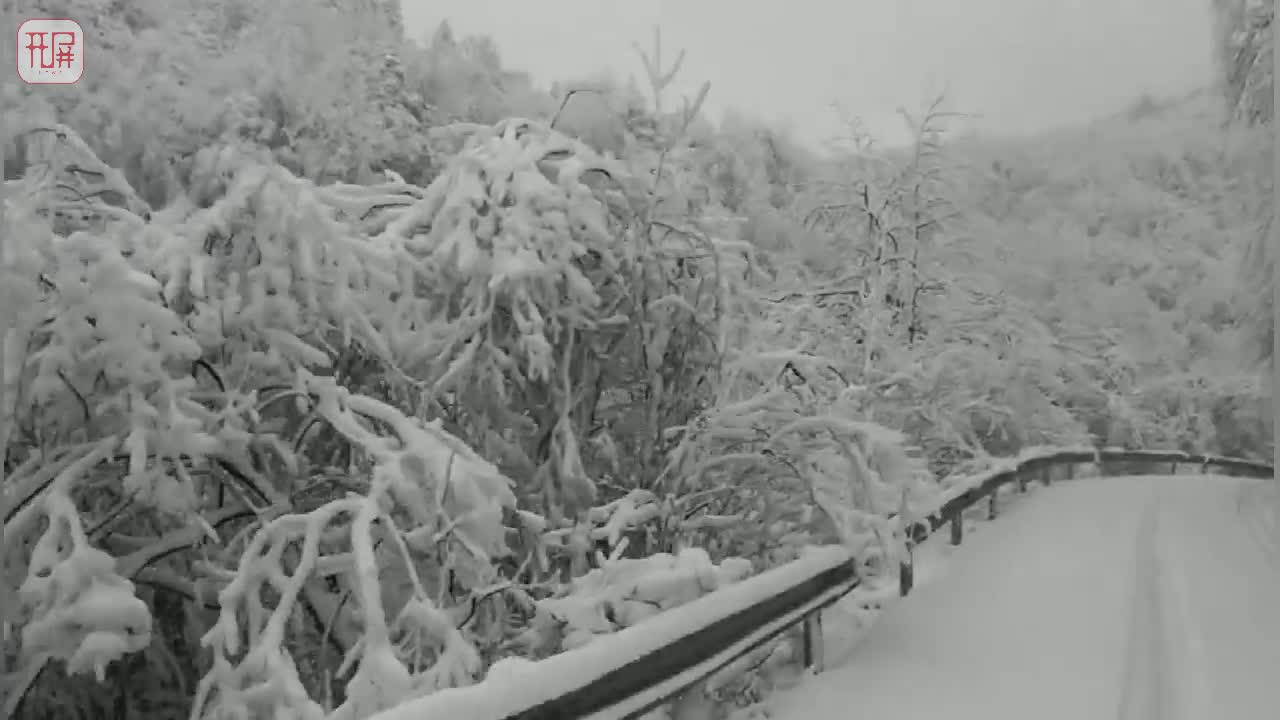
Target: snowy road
<point>1152,598</point>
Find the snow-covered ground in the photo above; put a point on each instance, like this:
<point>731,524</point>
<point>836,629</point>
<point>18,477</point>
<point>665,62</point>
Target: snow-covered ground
<point>1146,598</point>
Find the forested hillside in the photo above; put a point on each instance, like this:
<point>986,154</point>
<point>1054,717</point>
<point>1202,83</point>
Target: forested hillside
<point>339,367</point>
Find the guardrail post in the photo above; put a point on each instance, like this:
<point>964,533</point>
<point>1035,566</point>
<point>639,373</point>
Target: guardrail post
<point>813,650</point>
<point>906,574</point>
<point>1022,482</point>
<point>992,505</point>
<point>1046,475</point>
<point>957,528</point>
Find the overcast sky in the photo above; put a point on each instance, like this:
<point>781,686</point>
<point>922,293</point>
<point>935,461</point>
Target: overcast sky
<point>1022,65</point>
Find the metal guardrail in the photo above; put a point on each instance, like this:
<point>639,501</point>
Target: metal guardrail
<point>647,665</point>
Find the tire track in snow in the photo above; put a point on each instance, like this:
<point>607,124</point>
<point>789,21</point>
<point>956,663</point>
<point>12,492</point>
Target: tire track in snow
<point>1185,655</point>
<point>1144,691</point>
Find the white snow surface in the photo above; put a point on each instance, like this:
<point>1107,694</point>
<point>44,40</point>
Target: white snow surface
<point>1137,598</point>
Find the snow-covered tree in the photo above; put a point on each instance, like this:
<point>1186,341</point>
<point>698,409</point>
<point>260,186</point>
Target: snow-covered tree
<point>1243,32</point>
